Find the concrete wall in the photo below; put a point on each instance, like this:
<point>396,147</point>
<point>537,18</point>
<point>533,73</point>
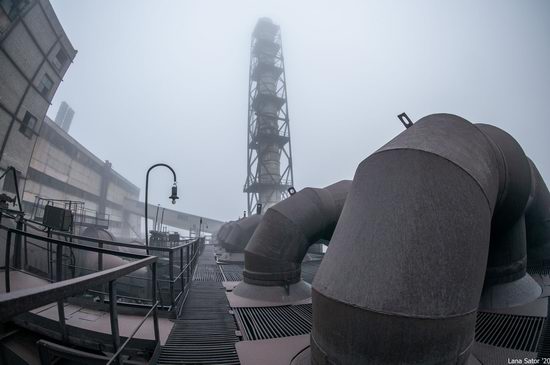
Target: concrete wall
<point>61,168</point>
<point>32,43</point>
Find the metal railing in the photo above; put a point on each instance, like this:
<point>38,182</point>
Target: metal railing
<point>175,266</point>
<point>184,253</point>
<point>20,301</point>
<point>171,273</point>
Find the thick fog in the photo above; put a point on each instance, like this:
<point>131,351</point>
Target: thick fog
<point>167,81</point>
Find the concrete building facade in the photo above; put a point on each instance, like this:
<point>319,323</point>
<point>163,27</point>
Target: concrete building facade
<point>63,169</point>
<point>35,54</point>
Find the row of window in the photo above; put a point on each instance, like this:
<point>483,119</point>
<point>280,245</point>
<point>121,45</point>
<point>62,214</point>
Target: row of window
<point>46,84</point>
<point>13,8</point>
<point>28,125</point>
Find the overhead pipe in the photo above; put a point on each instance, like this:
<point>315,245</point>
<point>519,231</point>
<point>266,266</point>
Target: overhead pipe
<point>433,219</point>
<point>275,252</point>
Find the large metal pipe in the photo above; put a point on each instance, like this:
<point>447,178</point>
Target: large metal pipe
<point>506,281</point>
<point>275,252</point>
<point>241,232</point>
<point>224,232</point>
<point>537,220</point>
<point>403,278</point>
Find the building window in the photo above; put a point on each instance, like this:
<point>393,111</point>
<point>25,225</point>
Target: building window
<point>13,8</point>
<point>46,85</point>
<point>61,59</point>
<point>28,125</point>
<point>9,183</point>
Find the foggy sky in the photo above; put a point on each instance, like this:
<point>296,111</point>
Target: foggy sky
<point>167,81</point>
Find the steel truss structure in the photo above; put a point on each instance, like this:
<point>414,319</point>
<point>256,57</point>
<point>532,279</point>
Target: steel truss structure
<point>269,157</point>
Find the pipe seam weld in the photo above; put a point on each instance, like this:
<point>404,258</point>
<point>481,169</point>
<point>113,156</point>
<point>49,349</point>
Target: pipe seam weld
<point>487,199</point>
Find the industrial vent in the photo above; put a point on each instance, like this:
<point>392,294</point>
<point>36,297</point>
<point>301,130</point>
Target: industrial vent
<point>509,331</point>
<point>232,272</point>
<point>208,272</point>
<point>261,323</point>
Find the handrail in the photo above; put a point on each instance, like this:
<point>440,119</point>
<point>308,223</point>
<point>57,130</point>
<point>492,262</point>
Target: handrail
<point>185,261</point>
<point>117,243</point>
<point>20,301</point>
<point>121,348</point>
<point>73,245</point>
<point>24,300</point>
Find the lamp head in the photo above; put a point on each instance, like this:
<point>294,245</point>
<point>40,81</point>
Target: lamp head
<point>174,195</point>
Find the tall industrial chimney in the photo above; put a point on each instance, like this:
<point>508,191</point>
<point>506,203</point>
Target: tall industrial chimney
<point>269,150</point>
<point>64,116</point>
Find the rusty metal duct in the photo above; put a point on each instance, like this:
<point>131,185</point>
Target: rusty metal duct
<point>275,252</point>
<point>415,243</point>
<point>241,232</point>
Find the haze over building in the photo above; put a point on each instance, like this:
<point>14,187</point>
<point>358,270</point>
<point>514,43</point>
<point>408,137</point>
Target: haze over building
<point>439,248</point>
<point>64,116</point>
<point>35,54</point>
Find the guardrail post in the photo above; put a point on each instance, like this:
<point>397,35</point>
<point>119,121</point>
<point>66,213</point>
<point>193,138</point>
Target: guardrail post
<point>154,296</point>
<point>7,262</point>
<point>50,256</point>
<point>187,247</point>
<point>180,273</point>
<point>59,263</point>
<point>171,274</point>
<point>62,325</point>
<point>114,318</point>
<point>18,245</point>
<point>60,305</point>
<point>100,268</point>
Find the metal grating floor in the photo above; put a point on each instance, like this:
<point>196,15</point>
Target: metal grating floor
<point>509,331</point>
<point>262,323</point>
<point>205,333</point>
<point>208,272</point>
<point>495,329</point>
<point>232,272</point>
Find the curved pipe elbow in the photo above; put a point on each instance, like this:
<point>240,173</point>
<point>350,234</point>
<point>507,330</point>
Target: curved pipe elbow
<point>237,239</point>
<point>408,258</point>
<point>274,254</point>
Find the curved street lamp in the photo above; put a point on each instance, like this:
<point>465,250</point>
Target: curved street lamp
<point>174,196</point>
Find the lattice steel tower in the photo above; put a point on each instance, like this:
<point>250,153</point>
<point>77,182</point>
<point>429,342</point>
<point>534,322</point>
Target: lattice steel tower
<point>269,150</point>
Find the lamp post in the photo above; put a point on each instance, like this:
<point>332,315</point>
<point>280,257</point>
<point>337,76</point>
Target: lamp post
<point>174,196</point>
